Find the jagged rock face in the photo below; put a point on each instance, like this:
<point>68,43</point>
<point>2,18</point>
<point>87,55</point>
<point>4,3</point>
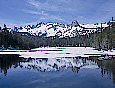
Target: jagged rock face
<point>61,25</point>
<point>75,23</point>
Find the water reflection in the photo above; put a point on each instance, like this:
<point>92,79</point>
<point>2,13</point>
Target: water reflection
<point>57,64</point>
<point>75,64</point>
<point>7,61</point>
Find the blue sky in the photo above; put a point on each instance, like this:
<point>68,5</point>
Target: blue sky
<point>25,12</point>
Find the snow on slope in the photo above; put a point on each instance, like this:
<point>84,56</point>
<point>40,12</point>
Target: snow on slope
<point>61,30</point>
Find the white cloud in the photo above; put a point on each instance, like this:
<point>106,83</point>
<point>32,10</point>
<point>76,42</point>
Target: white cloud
<point>35,12</point>
<point>32,2</point>
<point>51,6</point>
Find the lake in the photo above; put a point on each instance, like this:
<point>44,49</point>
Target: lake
<point>57,67</point>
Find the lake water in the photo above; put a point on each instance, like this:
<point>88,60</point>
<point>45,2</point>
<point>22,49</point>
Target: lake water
<point>57,67</point>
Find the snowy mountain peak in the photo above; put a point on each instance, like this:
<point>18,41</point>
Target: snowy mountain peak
<point>59,29</point>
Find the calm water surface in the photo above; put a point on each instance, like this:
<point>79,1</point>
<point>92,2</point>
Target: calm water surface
<point>57,68</point>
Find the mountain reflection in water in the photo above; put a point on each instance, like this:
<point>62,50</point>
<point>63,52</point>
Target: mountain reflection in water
<point>75,64</point>
<point>58,64</point>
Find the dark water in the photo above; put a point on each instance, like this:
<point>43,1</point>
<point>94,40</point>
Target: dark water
<point>89,72</point>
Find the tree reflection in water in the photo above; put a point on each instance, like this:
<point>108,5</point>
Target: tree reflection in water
<point>59,64</point>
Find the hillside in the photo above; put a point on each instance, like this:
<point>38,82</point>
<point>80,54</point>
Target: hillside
<point>100,36</point>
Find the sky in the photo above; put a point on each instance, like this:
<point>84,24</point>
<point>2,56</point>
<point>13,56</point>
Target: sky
<point>30,12</point>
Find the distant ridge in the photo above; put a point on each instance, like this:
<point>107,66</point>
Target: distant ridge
<point>99,36</point>
<point>58,29</point>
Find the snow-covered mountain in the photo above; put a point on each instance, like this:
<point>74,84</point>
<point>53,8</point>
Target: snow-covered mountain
<point>59,29</point>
